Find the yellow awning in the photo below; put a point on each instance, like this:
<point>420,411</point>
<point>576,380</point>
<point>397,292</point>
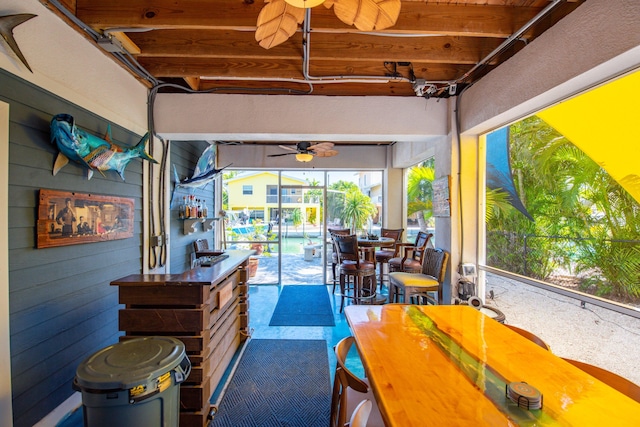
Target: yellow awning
<point>605,124</point>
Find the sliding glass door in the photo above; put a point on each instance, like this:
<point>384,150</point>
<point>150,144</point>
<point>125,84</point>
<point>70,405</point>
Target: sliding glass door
<point>284,217</point>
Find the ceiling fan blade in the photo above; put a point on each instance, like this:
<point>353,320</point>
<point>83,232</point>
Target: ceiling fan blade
<point>286,147</point>
<point>321,146</point>
<point>278,155</point>
<point>326,153</point>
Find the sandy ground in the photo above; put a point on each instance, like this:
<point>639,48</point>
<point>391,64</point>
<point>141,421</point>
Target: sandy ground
<point>592,334</point>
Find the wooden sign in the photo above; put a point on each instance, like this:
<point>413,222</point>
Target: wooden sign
<point>70,218</point>
<point>441,197</point>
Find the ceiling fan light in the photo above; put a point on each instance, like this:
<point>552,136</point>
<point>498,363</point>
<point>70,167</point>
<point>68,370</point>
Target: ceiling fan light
<point>304,157</point>
<point>305,4</point>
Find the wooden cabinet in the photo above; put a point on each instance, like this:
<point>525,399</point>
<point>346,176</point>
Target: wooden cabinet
<point>207,308</point>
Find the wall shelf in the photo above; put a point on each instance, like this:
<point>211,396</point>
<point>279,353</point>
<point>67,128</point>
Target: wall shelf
<point>190,224</point>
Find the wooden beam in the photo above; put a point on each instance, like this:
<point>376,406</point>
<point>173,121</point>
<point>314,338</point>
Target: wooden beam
<point>334,89</point>
<point>415,17</point>
<point>349,47</point>
<point>292,68</point>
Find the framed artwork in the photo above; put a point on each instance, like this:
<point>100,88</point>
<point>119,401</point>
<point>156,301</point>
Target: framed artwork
<point>70,218</point>
<point>441,197</point>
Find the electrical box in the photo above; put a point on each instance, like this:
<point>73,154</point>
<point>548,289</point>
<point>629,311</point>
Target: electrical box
<point>467,270</point>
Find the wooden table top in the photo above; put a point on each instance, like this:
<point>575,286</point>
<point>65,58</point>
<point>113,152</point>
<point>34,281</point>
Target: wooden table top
<point>379,242</point>
<point>449,365</point>
<point>195,276</point>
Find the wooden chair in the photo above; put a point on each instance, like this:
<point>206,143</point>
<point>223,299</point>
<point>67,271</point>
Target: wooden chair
<point>412,254</point>
<point>360,415</point>
<point>615,381</point>
<point>530,336</point>
<point>385,254</point>
<point>201,250</point>
<point>334,253</point>
<point>349,391</point>
<point>420,285</point>
<point>352,266</point>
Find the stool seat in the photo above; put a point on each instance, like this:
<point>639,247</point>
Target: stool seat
<point>353,267</point>
<point>420,285</point>
<point>382,255</point>
<point>412,283</point>
<point>409,265</point>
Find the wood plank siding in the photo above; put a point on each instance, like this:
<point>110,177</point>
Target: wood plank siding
<point>62,308</point>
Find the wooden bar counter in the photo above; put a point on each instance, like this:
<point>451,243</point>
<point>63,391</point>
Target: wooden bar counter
<point>207,308</point>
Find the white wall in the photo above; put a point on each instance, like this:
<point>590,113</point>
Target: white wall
<point>298,118</point>
<point>255,156</point>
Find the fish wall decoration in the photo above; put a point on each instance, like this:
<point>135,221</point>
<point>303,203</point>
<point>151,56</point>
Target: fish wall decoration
<point>7,24</point>
<point>204,173</point>
<point>91,151</point>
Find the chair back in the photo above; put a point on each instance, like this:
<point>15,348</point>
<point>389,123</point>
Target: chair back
<point>530,336</point>
<point>347,248</point>
<point>344,378</point>
<point>201,245</point>
<point>341,231</point>
<point>360,415</point>
<point>435,263</point>
<point>417,252</point>
<point>621,384</point>
<point>395,234</point>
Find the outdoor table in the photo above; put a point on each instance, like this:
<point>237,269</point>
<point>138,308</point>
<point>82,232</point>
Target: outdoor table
<point>380,242</point>
<point>450,365</point>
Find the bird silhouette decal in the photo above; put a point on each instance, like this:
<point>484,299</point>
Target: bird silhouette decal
<point>7,24</point>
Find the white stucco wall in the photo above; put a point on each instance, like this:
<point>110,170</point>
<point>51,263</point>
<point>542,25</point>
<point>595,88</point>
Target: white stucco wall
<point>297,118</point>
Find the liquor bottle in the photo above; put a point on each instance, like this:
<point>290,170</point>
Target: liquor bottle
<point>182,208</point>
<point>205,209</point>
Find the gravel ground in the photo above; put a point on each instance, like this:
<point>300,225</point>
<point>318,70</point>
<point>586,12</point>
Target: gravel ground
<point>592,334</point>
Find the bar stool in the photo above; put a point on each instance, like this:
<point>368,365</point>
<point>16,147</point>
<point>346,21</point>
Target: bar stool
<point>334,253</point>
<point>385,254</point>
<point>353,267</point>
<point>411,260</point>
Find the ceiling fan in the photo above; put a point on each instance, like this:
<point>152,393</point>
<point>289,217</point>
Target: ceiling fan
<point>279,19</point>
<point>305,151</point>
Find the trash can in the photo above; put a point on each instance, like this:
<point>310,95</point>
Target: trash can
<point>133,383</point>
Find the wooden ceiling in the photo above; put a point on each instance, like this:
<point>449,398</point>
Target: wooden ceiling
<point>435,48</point>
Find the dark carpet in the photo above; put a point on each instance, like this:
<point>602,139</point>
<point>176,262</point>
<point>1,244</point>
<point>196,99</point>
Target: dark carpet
<point>278,383</point>
<point>303,305</point>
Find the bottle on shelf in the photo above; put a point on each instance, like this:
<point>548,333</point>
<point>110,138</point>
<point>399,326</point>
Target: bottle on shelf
<point>182,208</point>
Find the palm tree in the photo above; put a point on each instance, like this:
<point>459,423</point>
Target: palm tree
<point>420,192</point>
<point>597,223</point>
<point>358,209</point>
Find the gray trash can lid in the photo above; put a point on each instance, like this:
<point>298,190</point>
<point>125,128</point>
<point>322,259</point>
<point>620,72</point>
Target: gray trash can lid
<point>130,363</point>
